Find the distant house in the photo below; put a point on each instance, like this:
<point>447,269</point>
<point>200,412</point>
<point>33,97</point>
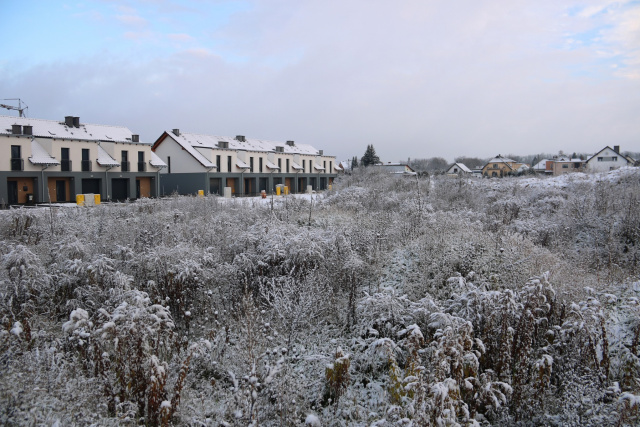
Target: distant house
<point>543,167</point>
<point>562,165</point>
<point>397,168</point>
<point>608,159</point>
<point>501,166</point>
<point>458,169</point>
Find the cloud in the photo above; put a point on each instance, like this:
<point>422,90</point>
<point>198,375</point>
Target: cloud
<point>180,37</point>
<point>132,20</point>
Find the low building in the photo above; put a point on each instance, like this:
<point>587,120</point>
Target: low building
<point>563,165</point>
<point>396,168</point>
<point>458,169</point>
<point>53,161</point>
<point>246,165</point>
<point>501,166</point>
<point>543,167</point>
<point>608,159</point>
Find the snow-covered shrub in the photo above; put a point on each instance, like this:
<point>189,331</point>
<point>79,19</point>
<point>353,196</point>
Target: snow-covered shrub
<point>128,350</point>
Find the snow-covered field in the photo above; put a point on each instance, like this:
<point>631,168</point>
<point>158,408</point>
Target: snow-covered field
<point>387,301</point>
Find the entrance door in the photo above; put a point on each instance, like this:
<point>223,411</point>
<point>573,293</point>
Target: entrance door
<point>137,188</point>
<point>90,185</point>
<point>61,190</point>
<point>120,189</point>
<point>231,182</point>
<point>12,186</point>
<point>214,185</point>
<point>263,183</point>
<point>248,186</point>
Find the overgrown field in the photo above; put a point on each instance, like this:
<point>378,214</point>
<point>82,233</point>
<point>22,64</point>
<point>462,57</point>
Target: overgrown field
<point>387,301</point>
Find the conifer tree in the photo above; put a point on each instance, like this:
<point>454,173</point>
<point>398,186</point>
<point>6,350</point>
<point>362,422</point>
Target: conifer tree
<point>370,157</point>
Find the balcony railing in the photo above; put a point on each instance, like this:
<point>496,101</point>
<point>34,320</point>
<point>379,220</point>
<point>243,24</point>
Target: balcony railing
<point>142,167</point>
<point>124,166</point>
<point>17,164</point>
<point>86,166</point>
<point>65,165</point>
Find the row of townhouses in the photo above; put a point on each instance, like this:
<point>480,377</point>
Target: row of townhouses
<point>53,161</point>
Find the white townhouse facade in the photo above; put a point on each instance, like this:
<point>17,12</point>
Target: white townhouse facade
<point>607,159</point>
<point>246,165</point>
<point>52,161</point>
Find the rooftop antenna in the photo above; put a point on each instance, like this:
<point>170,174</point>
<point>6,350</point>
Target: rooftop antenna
<point>21,108</point>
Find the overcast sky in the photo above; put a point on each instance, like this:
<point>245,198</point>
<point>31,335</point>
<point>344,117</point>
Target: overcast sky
<point>415,78</point>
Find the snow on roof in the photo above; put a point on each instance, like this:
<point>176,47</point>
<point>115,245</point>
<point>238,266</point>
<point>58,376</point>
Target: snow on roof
<point>249,144</point>
<point>338,167</point>
<point>272,166</point>
<point>42,128</point>
<point>541,165</point>
<point>318,167</point>
<point>104,159</point>
<point>502,159</point>
<point>461,166</point>
<point>296,166</point>
<point>40,156</point>
<point>156,161</point>
<point>241,164</point>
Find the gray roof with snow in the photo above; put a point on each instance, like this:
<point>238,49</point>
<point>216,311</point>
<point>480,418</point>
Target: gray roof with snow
<point>58,129</point>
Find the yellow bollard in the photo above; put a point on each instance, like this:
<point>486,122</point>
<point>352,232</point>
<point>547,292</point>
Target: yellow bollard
<point>80,199</point>
<point>277,190</point>
<point>96,199</point>
<point>200,193</point>
<point>286,190</point>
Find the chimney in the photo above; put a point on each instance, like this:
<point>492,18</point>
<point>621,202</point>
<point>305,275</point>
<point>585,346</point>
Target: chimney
<point>279,149</point>
<point>223,144</point>
<point>16,129</point>
<point>240,138</point>
<point>68,120</point>
<point>76,122</point>
<point>290,143</point>
<point>320,152</point>
<point>135,138</point>
<point>616,148</point>
<point>27,130</point>
<point>176,132</point>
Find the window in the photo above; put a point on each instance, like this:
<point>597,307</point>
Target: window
<point>304,165</point>
<point>600,159</point>
<point>218,163</point>
<point>324,165</point>
<point>17,164</point>
<point>495,166</point>
<point>65,163</point>
<point>228,163</point>
<point>142,166</point>
<point>86,163</point>
<point>124,163</point>
<point>168,164</point>
<point>330,167</point>
<point>565,166</point>
<point>287,165</point>
<point>260,164</point>
<point>250,164</point>
<point>280,164</point>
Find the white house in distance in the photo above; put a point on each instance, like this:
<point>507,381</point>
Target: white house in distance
<point>458,169</point>
<point>607,159</point>
<point>246,165</point>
